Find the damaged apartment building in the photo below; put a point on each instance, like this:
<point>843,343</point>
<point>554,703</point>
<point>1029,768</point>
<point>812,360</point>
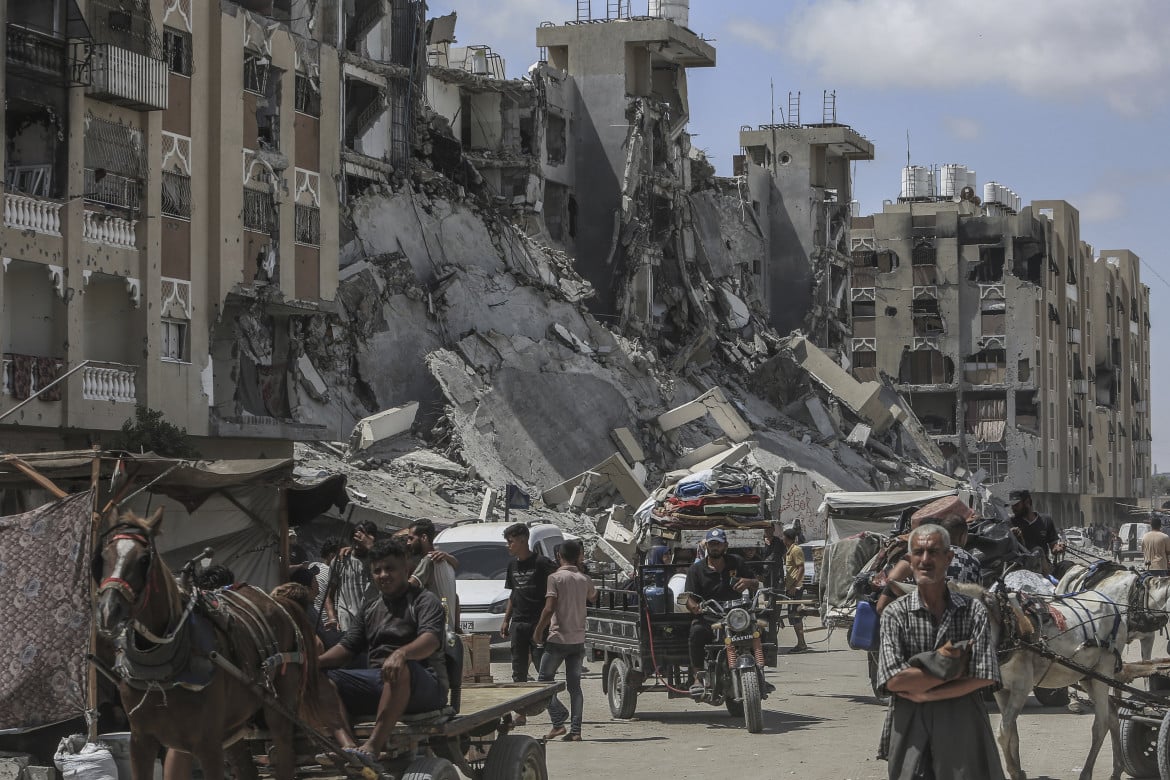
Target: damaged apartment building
<point>175,174</point>
<point>1023,352</point>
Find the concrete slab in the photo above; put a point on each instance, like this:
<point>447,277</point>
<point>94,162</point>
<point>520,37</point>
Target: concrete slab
<point>713,402</point>
<point>614,470</point>
<point>311,379</point>
<point>863,398</point>
<point>383,425</point>
<point>820,417</point>
<point>699,454</point>
<point>628,446</point>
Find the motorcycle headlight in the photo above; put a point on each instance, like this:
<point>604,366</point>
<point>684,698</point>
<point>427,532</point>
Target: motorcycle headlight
<point>738,620</point>
<point>499,607</point>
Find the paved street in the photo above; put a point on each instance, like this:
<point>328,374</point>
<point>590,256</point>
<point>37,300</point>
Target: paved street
<point>820,724</point>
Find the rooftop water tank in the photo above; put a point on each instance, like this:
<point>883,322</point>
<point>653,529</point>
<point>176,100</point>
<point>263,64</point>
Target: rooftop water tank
<point>971,180</point>
<point>677,11</point>
<point>990,193</point>
<point>952,181</point>
<point>917,182</point>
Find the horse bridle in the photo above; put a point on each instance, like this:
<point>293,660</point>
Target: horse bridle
<point>133,534</point>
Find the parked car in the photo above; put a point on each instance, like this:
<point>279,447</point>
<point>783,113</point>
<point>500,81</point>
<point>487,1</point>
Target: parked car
<point>1075,538</point>
<point>1130,540</point>
<point>483,568</point>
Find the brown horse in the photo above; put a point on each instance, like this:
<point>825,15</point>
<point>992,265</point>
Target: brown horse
<point>142,609</point>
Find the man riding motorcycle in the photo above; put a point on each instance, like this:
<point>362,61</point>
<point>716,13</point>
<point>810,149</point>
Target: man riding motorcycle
<point>721,576</point>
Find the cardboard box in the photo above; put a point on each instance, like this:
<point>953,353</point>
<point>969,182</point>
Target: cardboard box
<point>477,657</point>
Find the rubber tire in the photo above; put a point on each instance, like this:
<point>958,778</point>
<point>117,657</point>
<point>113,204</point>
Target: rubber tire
<point>1139,747</point>
<point>1164,747</point>
<point>872,662</point>
<point>515,757</point>
<point>431,768</point>
<point>753,715</point>
<point>1051,697</point>
<point>734,708</point>
<point>623,696</point>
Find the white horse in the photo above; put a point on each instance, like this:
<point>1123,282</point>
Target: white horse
<point>1088,630</point>
<point>1144,598</point>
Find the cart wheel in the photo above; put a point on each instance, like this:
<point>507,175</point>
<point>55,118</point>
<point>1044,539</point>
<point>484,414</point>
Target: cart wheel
<point>1139,745</point>
<point>515,757</point>
<point>872,663</point>
<point>753,717</point>
<point>1164,747</point>
<point>431,768</point>
<point>623,694</point>
<point>1051,697</point>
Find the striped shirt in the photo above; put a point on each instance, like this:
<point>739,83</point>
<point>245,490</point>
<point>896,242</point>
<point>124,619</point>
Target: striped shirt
<point>964,567</point>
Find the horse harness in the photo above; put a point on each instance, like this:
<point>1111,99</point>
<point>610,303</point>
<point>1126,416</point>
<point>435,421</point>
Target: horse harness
<point>181,657</point>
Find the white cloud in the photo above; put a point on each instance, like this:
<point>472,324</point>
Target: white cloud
<point>1099,205</point>
<point>1037,47</point>
<point>754,34</point>
<point>963,128</point>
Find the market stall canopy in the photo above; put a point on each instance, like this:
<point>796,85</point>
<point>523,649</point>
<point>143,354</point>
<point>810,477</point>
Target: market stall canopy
<point>851,513</point>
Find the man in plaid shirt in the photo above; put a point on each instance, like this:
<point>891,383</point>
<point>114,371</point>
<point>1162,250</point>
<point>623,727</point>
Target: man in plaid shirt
<point>937,726</point>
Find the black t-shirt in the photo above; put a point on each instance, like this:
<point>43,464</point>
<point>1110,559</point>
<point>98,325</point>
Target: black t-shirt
<point>528,581</point>
<point>706,583</point>
<point>1041,532</point>
<point>386,624</point>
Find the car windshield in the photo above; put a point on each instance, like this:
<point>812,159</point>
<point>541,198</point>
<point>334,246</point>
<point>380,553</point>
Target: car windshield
<point>808,553</point>
<point>478,560</point>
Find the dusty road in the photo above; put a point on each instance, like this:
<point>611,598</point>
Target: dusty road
<point>820,724</point>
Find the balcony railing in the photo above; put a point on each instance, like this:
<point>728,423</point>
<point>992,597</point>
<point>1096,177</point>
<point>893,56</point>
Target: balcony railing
<point>1080,386</point>
<point>112,189</point>
<point>36,53</point>
<point>1074,335</point>
<point>127,78</point>
<point>105,229</point>
<point>109,382</point>
<point>27,213</point>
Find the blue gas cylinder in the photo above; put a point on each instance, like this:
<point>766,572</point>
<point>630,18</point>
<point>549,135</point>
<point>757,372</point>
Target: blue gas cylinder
<point>655,598</point>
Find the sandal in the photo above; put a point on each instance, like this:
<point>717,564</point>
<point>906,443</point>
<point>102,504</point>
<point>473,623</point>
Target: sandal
<point>572,737</point>
<point>557,731</point>
<point>364,759</point>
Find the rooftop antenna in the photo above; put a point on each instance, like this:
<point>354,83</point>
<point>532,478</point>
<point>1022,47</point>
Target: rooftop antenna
<point>772,84</point>
<point>907,147</point>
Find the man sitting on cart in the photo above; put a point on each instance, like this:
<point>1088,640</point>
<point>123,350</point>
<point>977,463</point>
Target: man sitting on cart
<point>402,630</point>
<point>721,576</point>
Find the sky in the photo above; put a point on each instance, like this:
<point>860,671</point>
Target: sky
<point>1056,99</point>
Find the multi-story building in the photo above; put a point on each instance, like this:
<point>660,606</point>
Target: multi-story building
<point>1024,353</point>
<point>171,204</point>
<point>800,177</point>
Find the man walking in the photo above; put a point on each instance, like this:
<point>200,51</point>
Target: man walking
<point>1156,547</point>
<point>794,585</point>
<point>564,616</point>
<point>936,658</point>
<point>527,579</point>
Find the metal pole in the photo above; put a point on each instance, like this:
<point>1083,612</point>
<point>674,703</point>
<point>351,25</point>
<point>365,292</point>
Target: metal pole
<point>61,378</point>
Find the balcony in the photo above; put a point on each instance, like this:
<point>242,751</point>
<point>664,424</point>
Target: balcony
<point>38,55</point>
<point>24,375</point>
<point>101,228</point>
<point>36,214</point>
<point>1141,447</point>
<point>1080,386</point>
<point>114,382</point>
<point>1074,335</point>
<point>127,78</point>
<point>1141,407</point>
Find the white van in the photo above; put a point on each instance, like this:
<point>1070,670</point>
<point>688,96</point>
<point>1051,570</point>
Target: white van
<point>1131,540</point>
<point>483,567</point>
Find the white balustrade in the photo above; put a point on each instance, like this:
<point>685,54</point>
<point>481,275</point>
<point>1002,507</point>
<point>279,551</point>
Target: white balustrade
<point>7,369</point>
<point>109,382</point>
<point>27,213</point>
<point>106,229</point>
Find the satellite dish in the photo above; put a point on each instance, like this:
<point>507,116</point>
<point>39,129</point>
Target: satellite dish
<point>967,193</point>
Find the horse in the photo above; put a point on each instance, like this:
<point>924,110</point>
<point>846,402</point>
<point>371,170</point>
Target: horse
<point>1145,597</point>
<point>173,692</point>
<point>1086,629</point>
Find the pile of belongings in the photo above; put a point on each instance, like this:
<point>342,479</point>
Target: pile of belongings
<point>723,496</point>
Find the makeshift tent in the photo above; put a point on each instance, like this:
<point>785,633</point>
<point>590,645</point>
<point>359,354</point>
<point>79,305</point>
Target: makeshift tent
<point>847,514</point>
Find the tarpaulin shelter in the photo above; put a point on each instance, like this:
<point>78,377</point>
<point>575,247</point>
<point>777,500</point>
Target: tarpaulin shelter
<point>847,514</point>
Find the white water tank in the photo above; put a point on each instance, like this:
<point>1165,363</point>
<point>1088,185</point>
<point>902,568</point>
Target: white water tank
<point>990,193</point>
<point>917,182</point>
<point>952,180</point>
<point>971,181</point>
<point>1019,203</point>
<point>854,209</point>
<point>677,11</point>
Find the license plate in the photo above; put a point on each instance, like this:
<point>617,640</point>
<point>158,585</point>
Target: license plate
<point>466,626</point>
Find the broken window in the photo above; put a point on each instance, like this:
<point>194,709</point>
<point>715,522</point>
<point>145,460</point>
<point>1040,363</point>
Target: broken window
<point>174,340</point>
<point>257,72</point>
<point>307,223</point>
<point>986,367</point>
<point>926,367</point>
<point>927,320</point>
<point>308,95</point>
<point>992,318</point>
<point>1072,270</point>
<point>925,274</point>
<point>177,51</point>
<point>986,419</point>
<point>993,463</point>
<point>989,269</point>
<point>114,164</point>
<point>259,211</point>
<point>925,306</point>
<point>865,365</point>
<point>864,309</point>
<point>556,139</point>
<point>1027,411</point>
<point>1027,258</point>
<point>176,194</point>
<point>936,411</point>
<point>1024,370</point>
<point>924,252</point>
<point>126,24</point>
<point>1053,314</point>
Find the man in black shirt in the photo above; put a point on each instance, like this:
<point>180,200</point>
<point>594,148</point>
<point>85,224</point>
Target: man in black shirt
<point>402,630</point>
<point>528,580</point>
<point>720,576</point>
<point>1034,529</point>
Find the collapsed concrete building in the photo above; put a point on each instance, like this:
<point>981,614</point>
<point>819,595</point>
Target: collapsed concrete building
<point>1024,352</point>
